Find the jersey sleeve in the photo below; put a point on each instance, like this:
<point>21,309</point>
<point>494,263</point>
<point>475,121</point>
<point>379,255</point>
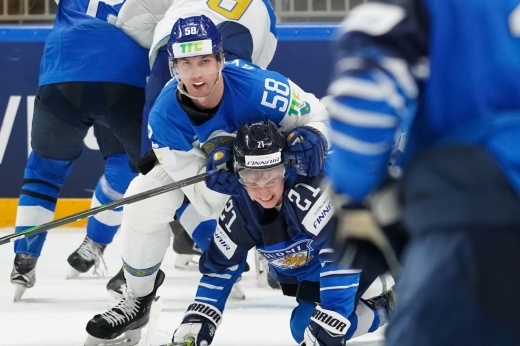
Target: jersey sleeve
<point>380,59</point>
<point>305,110</point>
<point>138,19</point>
<point>223,262</point>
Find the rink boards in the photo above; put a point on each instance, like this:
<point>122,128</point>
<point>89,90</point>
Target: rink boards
<point>303,54</point>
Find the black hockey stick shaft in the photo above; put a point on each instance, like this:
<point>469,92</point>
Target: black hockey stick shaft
<point>104,207</point>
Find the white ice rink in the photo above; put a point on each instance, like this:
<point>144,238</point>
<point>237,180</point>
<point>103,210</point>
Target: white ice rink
<point>55,311</point>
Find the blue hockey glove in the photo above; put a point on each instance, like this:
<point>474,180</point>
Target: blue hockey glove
<point>327,328</point>
<point>306,151</point>
<point>198,326</point>
<point>224,179</point>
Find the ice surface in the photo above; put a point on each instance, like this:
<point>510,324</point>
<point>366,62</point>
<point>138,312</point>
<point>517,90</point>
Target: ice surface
<point>55,311</point>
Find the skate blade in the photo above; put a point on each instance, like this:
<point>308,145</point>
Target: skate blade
<point>130,338</point>
<point>237,293</point>
<point>18,292</point>
<point>186,262</point>
<point>73,274</point>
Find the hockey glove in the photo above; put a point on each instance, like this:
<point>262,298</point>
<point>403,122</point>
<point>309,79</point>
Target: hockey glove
<point>198,326</point>
<point>371,237</point>
<point>306,151</point>
<point>224,179</point>
<point>327,328</point>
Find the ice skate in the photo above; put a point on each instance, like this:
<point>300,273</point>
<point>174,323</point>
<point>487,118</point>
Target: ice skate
<point>383,303</point>
<point>187,251</point>
<point>122,324</point>
<point>23,274</point>
<point>237,292</point>
<point>116,286</point>
<point>87,255</point>
<point>186,262</point>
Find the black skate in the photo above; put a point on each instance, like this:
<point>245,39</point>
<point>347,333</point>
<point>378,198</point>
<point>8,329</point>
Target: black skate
<point>116,286</point>
<point>122,324</point>
<point>384,304</point>
<point>23,274</point>
<point>187,251</point>
<point>87,255</point>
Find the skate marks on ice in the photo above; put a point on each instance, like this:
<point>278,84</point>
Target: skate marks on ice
<point>55,311</point>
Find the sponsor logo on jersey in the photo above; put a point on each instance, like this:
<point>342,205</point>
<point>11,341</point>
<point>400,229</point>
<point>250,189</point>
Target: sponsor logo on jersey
<point>294,256</point>
<point>319,214</point>
<point>298,106</point>
<point>263,160</point>
<point>224,243</point>
<point>194,48</point>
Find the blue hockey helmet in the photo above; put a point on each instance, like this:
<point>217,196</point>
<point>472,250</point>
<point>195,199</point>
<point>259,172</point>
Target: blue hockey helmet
<point>194,36</point>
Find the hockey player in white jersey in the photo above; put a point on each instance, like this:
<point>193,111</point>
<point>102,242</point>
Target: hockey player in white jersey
<point>196,113</point>
<point>248,30</point>
<point>289,219</point>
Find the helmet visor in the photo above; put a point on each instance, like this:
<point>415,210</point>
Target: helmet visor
<point>260,177</point>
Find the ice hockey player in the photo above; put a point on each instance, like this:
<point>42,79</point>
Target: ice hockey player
<point>196,113</point>
<point>248,31</point>
<point>289,219</point>
<point>80,87</point>
<point>447,70</point>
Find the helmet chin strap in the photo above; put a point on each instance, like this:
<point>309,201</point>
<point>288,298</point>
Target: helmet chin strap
<point>180,85</point>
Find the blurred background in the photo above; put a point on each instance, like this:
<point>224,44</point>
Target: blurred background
<point>287,11</point>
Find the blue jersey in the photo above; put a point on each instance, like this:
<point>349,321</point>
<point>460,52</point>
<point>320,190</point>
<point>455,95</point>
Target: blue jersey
<point>84,46</point>
<point>295,240</point>
<point>445,71</point>
<point>251,94</point>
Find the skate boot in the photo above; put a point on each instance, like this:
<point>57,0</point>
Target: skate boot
<point>87,255</point>
<point>116,287</point>
<point>187,251</point>
<point>122,324</point>
<point>23,274</point>
<point>384,304</point>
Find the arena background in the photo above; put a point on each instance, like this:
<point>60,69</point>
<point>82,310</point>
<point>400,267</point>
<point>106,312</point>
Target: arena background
<point>304,54</point>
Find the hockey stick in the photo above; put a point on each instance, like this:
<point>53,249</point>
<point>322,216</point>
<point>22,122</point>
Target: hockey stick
<point>104,207</point>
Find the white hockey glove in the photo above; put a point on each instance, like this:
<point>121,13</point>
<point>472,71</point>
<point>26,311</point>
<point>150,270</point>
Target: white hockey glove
<point>198,326</point>
<point>327,328</point>
<point>371,235</point>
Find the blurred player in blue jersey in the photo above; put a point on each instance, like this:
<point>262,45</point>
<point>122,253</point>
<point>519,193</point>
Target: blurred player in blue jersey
<point>289,219</point>
<point>248,30</point>
<point>84,82</point>
<point>447,71</point>
<point>199,111</point>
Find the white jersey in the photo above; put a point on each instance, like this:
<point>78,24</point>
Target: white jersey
<point>150,22</point>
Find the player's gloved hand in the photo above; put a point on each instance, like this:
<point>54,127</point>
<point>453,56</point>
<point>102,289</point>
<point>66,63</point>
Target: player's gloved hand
<point>198,326</point>
<point>224,179</point>
<point>371,235</point>
<point>306,151</point>
<point>327,328</point>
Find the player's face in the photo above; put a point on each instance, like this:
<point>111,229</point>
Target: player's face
<point>265,186</point>
<point>198,74</point>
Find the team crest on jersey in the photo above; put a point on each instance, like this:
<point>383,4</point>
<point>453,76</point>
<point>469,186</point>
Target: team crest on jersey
<point>292,257</point>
